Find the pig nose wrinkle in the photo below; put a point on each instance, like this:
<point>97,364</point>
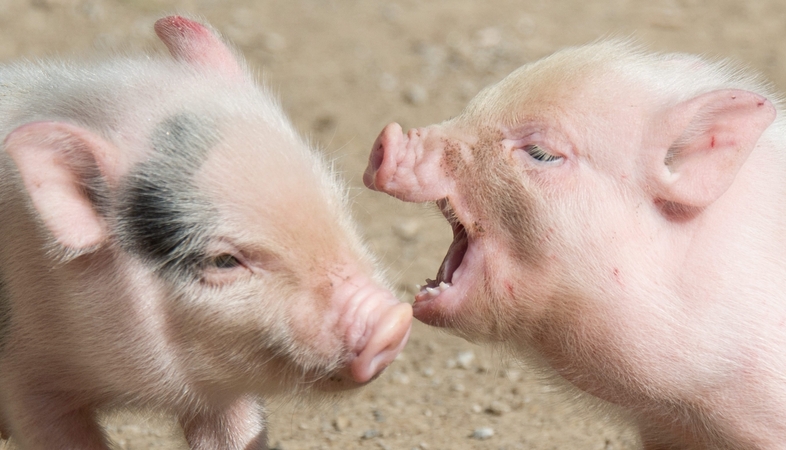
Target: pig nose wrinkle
<point>389,337</point>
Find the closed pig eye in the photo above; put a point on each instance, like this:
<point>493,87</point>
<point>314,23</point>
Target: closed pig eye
<point>224,261</point>
<point>541,155</point>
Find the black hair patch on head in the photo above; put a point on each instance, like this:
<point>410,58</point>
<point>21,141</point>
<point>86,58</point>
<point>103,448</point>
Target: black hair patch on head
<point>163,217</point>
<point>164,224</point>
<point>184,138</point>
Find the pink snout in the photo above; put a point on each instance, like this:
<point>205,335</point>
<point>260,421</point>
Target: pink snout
<point>381,163</point>
<point>408,166</point>
<point>388,338</point>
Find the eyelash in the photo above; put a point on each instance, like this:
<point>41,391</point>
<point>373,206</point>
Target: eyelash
<point>541,155</point>
<point>224,261</point>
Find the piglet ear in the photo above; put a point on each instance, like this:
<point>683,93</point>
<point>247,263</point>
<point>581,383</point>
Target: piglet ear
<point>710,137</point>
<point>60,166</point>
<point>196,44</point>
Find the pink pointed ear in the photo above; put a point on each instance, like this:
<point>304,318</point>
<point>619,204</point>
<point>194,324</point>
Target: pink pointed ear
<point>709,138</point>
<point>196,44</point>
<point>57,163</point>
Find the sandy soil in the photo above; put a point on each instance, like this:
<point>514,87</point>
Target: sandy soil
<point>344,69</point>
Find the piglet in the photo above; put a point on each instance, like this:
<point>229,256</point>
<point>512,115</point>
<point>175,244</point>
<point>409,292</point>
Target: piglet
<point>168,241</point>
<point>620,218</point>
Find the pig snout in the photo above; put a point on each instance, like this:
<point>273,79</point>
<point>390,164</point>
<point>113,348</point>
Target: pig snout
<point>388,337</point>
<point>407,166</point>
<point>381,164</point>
<point>377,327</point>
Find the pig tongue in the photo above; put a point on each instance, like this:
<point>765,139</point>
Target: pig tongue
<point>455,254</point>
<point>453,259</point>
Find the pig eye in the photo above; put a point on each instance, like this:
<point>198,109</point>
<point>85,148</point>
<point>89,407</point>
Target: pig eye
<point>541,155</point>
<point>224,261</point>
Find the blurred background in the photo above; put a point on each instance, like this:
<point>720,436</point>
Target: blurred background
<point>344,69</point>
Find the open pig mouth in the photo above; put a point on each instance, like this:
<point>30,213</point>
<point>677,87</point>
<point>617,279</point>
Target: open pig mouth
<point>454,257</point>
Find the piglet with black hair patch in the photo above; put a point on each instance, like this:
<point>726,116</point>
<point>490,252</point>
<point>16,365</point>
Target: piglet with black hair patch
<point>168,241</point>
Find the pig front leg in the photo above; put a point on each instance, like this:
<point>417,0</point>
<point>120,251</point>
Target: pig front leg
<point>47,422</point>
<point>239,425</point>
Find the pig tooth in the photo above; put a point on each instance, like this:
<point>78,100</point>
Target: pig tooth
<point>443,286</point>
<point>418,288</point>
<point>432,291</point>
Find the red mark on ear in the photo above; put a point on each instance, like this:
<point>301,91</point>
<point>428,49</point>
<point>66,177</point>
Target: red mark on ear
<point>712,142</point>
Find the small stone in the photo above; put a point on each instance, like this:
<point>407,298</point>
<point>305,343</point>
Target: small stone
<point>489,37</point>
<point>422,446</point>
<point>406,230</point>
<point>400,378</point>
<point>451,364</point>
<point>457,387</point>
<point>370,434</point>
<point>341,423</point>
<point>482,433</point>
<point>416,95</point>
<point>428,372</point>
<point>303,426</point>
<point>432,347</point>
<point>379,416</point>
<point>464,359</point>
<point>497,408</point>
<point>324,123</point>
<point>477,409</point>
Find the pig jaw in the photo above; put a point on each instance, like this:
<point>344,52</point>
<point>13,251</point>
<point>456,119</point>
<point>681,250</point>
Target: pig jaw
<point>423,166</point>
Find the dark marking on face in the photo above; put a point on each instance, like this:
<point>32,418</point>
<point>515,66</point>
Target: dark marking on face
<point>163,217</point>
<point>452,161</point>
<point>500,199</point>
<point>184,138</point>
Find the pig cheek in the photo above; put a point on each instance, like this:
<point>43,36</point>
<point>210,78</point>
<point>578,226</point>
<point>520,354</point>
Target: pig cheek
<point>236,330</point>
<point>314,324</point>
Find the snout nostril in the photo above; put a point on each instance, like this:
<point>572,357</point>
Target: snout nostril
<point>377,156</point>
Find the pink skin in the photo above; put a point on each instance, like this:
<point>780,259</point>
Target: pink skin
<point>386,331</point>
<point>277,296</point>
<point>619,216</point>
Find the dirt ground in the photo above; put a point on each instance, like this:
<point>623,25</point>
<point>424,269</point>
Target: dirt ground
<point>345,68</point>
